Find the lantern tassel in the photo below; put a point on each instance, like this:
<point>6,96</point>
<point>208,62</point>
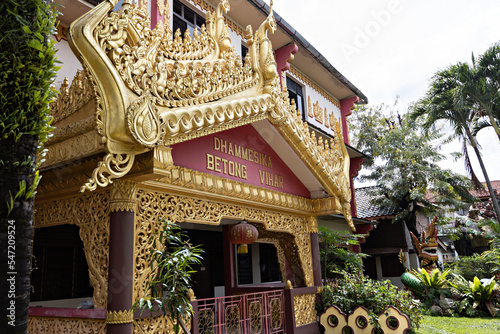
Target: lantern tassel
<point>243,249</point>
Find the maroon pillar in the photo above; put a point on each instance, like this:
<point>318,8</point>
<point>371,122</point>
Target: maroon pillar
<point>316,261</point>
<point>229,271</point>
<point>119,315</point>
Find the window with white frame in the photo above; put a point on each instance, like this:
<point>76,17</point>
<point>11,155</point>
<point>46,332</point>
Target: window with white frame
<point>295,92</point>
<point>185,18</point>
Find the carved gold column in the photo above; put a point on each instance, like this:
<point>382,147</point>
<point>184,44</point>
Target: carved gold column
<point>316,261</point>
<point>119,316</point>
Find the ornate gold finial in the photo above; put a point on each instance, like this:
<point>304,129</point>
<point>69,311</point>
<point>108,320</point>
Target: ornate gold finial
<point>288,285</point>
<point>191,295</point>
<point>119,317</point>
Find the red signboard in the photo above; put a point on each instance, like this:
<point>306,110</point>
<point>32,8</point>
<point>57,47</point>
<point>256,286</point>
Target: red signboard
<point>239,154</point>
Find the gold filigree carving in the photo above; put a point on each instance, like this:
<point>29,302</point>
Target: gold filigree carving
<point>72,130</point>
<point>289,230</point>
<point>191,179</point>
<point>144,124</point>
<point>113,166</point>
<point>123,196</point>
<point>232,318</point>
<point>119,317</point>
<point>161,6</point>
<point>276,320</point>
<point>303,78</point>
<point>43,325</point>
<point>91,214</point>
<point>255,317</point>
<point>153,325</point>
<point>305,313</point>
<point>312,224</point>
<point>328,160</point>
<point>72,98</point>
<point>79,146</point>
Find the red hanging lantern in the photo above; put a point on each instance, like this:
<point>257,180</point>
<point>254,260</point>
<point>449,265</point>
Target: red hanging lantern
<point>243,234</point>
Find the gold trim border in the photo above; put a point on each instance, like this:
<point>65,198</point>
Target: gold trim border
<point>184,178</point>
<point>119,317</point>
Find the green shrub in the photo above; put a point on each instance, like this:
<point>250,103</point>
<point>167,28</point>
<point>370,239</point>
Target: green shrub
<point>476,265</point>
<point>334,257</point>
<point>477,298</point>
<point>436,286</point>
<point>354,289</point>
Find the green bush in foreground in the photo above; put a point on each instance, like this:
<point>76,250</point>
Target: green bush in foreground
<point>354,289</point>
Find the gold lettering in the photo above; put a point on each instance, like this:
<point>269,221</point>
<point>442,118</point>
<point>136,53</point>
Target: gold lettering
<point>210,162</point>
<point>216,144</point>
<point>230,149</point>
<point>224,162</point>
<point>217,164</point>
<point>237,151</point>
<point>256,157</point>
<point>223,147</point>
<point>244,172</point>
<point>269,163</point>
<point>261,175</point>
<point>270,179</point>
<point>230,170</point>
<point>280,181</point>
<point>245,154</point>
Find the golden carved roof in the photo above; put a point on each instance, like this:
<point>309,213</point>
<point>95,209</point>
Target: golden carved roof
<point>154,89</point>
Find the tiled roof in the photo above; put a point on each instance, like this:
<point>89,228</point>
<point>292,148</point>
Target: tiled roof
<point>366,209</point>
<point>485,192</point>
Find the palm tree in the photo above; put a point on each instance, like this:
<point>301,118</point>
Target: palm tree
<point>447,99</point>
<point>27,58</point>
<point>485,88</point>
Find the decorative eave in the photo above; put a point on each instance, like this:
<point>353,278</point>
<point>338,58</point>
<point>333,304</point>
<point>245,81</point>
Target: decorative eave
<point>152,91</point>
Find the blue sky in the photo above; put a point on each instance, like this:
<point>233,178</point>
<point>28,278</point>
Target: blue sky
<point>391,48</point>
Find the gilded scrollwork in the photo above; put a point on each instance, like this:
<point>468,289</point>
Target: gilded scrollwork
<point>305,312</point>
<point>91,214</point>
<point>113,166</point>
<point>153,325</point>
<point>42,325</point>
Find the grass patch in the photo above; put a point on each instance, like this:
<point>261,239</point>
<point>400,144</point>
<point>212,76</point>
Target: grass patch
<point>448,325</point>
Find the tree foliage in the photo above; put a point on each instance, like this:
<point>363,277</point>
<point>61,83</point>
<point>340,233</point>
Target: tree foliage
<point>172,258</point>
<point>403,162</point>
<point>27,71</point>
<point>334,257</point>
<point>462,94</point>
